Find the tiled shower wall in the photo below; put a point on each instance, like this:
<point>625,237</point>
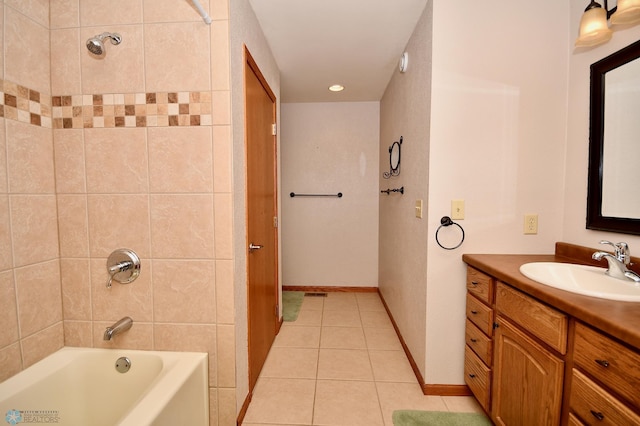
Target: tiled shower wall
<point>132,150</point>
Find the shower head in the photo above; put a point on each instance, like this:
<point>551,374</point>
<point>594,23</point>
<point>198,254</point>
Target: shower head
<point>96,44</point>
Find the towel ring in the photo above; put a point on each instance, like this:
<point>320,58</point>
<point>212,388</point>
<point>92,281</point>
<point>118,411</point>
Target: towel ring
<point>446,221</point>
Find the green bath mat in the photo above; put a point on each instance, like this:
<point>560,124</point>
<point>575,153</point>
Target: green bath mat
<point>438,418</point>
<point>291,302</point>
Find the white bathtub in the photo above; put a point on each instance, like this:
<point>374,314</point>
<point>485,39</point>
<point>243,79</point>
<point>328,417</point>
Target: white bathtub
<point>81,387</point>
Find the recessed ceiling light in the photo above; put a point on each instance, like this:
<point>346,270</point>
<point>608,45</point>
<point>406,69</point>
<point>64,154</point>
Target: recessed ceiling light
<point>336,88</point>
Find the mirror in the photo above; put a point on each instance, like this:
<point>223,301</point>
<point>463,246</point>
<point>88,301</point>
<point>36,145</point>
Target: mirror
<point>613,200</point>
<point>394,160</point>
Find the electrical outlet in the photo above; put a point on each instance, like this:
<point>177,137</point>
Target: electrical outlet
<point>530,224</point>
<point>457,209</point>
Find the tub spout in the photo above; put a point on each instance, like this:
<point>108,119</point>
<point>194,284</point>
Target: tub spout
<point>119,327</point>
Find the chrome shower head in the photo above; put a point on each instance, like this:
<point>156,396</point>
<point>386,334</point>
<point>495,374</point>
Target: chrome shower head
<point>96,44</point>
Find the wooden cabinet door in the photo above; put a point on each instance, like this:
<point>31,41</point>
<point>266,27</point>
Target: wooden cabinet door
<point>527,382</point>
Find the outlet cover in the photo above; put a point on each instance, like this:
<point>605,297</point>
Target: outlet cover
<point>530,224</point>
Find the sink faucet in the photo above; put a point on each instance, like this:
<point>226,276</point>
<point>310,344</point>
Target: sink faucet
<point>119,327</point>
<point>618,263</point>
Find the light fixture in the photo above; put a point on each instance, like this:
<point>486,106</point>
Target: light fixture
<point>594,26</point>
<point>336,87</point>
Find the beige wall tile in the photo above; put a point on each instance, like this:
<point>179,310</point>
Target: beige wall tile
<point>182,226</point>
<point>78,333</point>
<point>4,186</point>
<point>177,57</point>
<point>226,356</point>
<point>226,407</point>
<point>134,299</point>
<point>139,336</point>
<point>221,107</point>
<point>73,227</point>
<point>42,344</point>
<point>76,289</point>
<point>69,161</point>
<point>38,10</point>
<point>117,221</point>
<point>184,291</point>
<point>213,405</point>
<point>222,159</point>
<point>2,42</point>
<point>225,299</point>
<point>121,70</point>
<point>220,79</point>
<point>10,360</point>
<point>29,158</point>
<point>66,48</point>
<point>34,228</point>
<point>39,299</point>
<point>6,254</point>
<point>189,338</point>
<point>180,159</point>
<point>224,226</point>
<point>219,9</point>
<point>173,11</point>
<point>122,153</point>
<point>100,13</point>
<point>65,14</point>
<point>26,47</point>
<point>8,313</point>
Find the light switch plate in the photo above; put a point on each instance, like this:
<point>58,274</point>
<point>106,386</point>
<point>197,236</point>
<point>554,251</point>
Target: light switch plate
<point>419,209</point>
<point>457,209</point>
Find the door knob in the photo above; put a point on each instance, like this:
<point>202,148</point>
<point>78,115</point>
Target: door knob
<point>254,247</point>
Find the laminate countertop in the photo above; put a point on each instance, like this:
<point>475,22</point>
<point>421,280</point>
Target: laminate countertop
<point>619,319</point>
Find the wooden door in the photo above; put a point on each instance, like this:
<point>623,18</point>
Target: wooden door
<point>527,383</point>
<point>262,239</point>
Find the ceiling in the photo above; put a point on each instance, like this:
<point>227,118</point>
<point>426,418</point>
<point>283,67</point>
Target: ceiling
<point>317,43</point>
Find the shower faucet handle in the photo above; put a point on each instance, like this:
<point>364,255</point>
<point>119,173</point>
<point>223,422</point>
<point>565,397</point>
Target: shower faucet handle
<point>123,265</point>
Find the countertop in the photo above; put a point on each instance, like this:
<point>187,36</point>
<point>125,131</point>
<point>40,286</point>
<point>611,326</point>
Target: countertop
<point>619,319</point>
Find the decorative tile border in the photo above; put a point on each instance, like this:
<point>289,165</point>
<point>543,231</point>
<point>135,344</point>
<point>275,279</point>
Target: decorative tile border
<point>157,109</point>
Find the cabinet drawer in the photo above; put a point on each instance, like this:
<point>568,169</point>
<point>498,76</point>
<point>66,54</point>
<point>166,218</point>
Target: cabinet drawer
<point>480,314</point>
<point>478,342</point>
<point>546,323</point>
<point>478,377</point>
<point>613,364</point>
<point>596,406</point>
<point>573,421</point>
<point>480,285</point>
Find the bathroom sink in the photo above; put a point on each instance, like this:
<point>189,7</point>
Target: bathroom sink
<point>582,279</point>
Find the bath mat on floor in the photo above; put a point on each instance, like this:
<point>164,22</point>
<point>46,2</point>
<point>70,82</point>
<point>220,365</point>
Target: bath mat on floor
<point>291,302</point>
<point>438,418</point>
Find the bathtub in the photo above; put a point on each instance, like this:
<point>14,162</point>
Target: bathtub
<point>81,387</point>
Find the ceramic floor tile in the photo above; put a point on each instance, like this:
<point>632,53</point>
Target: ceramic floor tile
<point>282,401</point>
<point>382,339</point>
<point>342,338</point>
<point>375,319</point>
<point>370,302</point>
<point>340,302</point>
<point>344,364</point>
<point>350,318</point>
<point>462,404</point>
<point>346,403</point>
<point>405,396</point>
<point>292,363</point>
<point>308,317</point>
<point>391,366</point>
<point>312,303</point>
<point>298,337</point>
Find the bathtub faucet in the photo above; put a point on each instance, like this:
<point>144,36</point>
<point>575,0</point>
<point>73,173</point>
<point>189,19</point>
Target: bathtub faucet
<point>119,327</point>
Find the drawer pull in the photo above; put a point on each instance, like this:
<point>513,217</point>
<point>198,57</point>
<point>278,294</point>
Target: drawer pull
<point>474,312</point>
<point>473,376</point>
<point>597,415</point>
<point>474,282</point>
<point>473,340</point>
<point>603,362</point>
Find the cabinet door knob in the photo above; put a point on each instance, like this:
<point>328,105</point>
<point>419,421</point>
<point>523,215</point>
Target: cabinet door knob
<point>472,376</point>
<point>597,415</point>
<point>473,340</point>
<point>474,312</point>
<point>603,362</point>
<point>474,282</point>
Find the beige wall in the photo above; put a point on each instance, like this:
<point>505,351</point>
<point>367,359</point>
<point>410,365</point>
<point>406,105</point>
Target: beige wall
<point>143,160</point>
<point>330,148</point>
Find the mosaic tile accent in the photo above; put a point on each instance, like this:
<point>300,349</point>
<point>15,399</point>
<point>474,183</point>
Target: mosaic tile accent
<point>161,109</point>
<point>25,105</point>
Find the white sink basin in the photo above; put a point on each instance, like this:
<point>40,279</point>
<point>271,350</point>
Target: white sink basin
<point>581,279</point>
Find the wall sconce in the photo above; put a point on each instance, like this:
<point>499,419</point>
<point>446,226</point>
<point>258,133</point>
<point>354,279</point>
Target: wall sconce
<point>594,28</point>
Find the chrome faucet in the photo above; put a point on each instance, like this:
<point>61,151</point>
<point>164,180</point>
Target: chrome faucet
<point>618,263</point>
<point>119,327</point>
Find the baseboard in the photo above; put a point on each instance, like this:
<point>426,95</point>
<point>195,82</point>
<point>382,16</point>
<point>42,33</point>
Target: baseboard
<point>329,289</point>
<point>441,390</point>
<point>279,324</point>
<point>243,410</point>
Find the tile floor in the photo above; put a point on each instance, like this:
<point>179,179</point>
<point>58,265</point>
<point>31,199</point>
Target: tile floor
<point>340,363</point>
